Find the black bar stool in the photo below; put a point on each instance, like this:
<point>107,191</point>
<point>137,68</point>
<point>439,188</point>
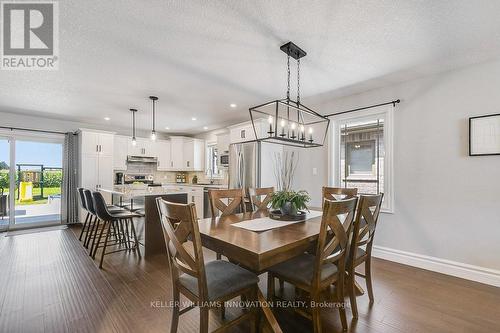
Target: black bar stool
<point>118,221</point>
<point>83,204</point>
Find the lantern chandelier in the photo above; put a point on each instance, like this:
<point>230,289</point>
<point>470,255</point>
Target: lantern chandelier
<point>286,121</point>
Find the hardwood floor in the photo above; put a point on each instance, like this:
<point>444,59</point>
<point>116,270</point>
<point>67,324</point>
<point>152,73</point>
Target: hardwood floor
<point>48,283</point>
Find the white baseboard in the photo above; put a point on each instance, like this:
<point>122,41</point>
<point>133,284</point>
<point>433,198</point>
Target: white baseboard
<point>454,268</point>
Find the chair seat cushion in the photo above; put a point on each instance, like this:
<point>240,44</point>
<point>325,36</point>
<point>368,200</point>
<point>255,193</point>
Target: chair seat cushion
<point>301,269</point>
<point>223,278</point>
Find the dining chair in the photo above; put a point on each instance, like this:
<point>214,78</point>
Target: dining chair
<point>260,198</point>
<point>313,274</point>
<point>330,193</point>
<point>205,284</point>
<point>363,233</point>
<point>235,199</point>
<point>120,223</point>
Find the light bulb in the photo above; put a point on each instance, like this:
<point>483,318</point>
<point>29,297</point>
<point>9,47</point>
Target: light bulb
<point>270,120</point>
<point>310,130</point>
<point>134,141</point>
<point>293,126</point>
<point>283,122</point>
<point>153,136</point>
<point>302,128</point>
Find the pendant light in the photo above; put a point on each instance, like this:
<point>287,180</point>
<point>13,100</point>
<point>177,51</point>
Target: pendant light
<point>293,117</point>
<point>153,131</point>
<point>134,140</point>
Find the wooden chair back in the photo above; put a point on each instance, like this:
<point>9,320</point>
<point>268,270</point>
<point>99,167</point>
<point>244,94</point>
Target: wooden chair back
<point>366,221</point>
<point>330,192</point>
<point>180,224</point>
<point>236,198</point>
<point>333,240</point>
<point>260,198</point>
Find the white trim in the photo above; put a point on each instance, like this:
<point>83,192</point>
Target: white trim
<point>385,112</point>
<point>465,271</point>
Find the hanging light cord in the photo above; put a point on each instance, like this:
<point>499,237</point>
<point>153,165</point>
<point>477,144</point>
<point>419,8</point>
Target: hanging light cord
<point>298,82</point>
<point>154,112</point>
<point>288,77</point>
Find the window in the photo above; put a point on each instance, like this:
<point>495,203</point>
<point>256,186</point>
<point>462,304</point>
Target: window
<point>212,167</point>
<point>362,153</point>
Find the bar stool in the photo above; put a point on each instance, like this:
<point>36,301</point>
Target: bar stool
<point>83,205</point>
<point>94,225</point>
<point>119,223</point>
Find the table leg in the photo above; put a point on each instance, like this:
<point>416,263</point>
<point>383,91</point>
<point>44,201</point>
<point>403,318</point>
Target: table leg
<point>269,315</point>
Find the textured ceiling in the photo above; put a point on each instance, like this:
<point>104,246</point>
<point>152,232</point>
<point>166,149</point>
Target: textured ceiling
<point>201,56</point>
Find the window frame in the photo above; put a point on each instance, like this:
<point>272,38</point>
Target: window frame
<point>334,172</point>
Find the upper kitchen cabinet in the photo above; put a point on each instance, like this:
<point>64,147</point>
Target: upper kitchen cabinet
<point>223,141</point>
<point>93,142</point>
<point>163,152</point>
<point>120,152</point>
<point>143,147</point>
<point>187,154</point>
<point>244,131</point>
<point>96,159</point>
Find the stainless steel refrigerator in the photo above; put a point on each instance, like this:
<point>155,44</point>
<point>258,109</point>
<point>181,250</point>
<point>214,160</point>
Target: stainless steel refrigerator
<point>251,164</point>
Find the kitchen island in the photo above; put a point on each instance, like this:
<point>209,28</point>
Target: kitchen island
<point>142,199</point>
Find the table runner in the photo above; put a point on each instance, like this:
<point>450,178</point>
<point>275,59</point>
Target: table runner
<point>266,223</point>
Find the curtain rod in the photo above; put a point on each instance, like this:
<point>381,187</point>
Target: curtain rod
<point>364,108</point>
<point>32,130</point>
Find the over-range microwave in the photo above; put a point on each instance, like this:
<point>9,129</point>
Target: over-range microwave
<point>224,160</point>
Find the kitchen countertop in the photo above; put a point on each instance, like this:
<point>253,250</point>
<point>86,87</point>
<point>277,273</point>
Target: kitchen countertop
<point>135,191</point>
<point>225,186</point>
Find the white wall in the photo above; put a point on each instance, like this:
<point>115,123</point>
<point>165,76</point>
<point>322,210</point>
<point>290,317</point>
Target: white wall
<point>447,204</point>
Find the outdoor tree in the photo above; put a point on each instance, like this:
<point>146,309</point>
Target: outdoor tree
<point>4,166</point>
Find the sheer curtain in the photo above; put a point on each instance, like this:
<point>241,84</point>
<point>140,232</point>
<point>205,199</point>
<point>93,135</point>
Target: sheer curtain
<point>69,207</point>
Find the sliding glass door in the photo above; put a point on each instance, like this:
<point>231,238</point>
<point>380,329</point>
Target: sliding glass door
<point>30,181</point>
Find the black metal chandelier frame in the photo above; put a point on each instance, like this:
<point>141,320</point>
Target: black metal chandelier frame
<point>295,112</point>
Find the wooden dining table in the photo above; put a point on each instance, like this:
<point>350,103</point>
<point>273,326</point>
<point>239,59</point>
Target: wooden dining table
<point>257,251</point>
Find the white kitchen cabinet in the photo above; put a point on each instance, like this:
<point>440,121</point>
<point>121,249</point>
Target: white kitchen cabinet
<point>177,153</point>
<point>143,147</point>
<point>245,132</point>
<point>163,152</point>
<point>194,154</point>
<point>195,195</point>
<point>187,154</point>
<point>120,152</point>
<point>96,159</point>
<point>223,142</point>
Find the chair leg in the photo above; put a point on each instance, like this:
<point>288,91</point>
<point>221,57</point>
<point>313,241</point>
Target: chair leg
<point>135,238</point>
<point>96,241</point>
<point>316,315</point>
<point>204,319</point>
<point>340,298</point>
<point>108,232</point>
<point>270,286</point>
<point>223,310</point>
<point>352,292</point>
<point>254,326</point>
<point>368,278</point>
<point>84,226</point>
<point>126,235</point>
<point>175,310</point>
<point>218,256</point>
<point>90,230</point>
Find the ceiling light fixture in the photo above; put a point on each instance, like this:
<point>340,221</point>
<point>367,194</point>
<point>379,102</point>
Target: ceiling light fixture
<point>193,119</point>
<point>167,128</point>
<point>107,118</point>
<point>233,105</point>
<point>205,127</point>
<point>293,116</point>
<point>153,131</point>
<point>134,140</point>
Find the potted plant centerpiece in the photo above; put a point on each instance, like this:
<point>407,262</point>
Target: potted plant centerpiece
<point>289,204</point>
